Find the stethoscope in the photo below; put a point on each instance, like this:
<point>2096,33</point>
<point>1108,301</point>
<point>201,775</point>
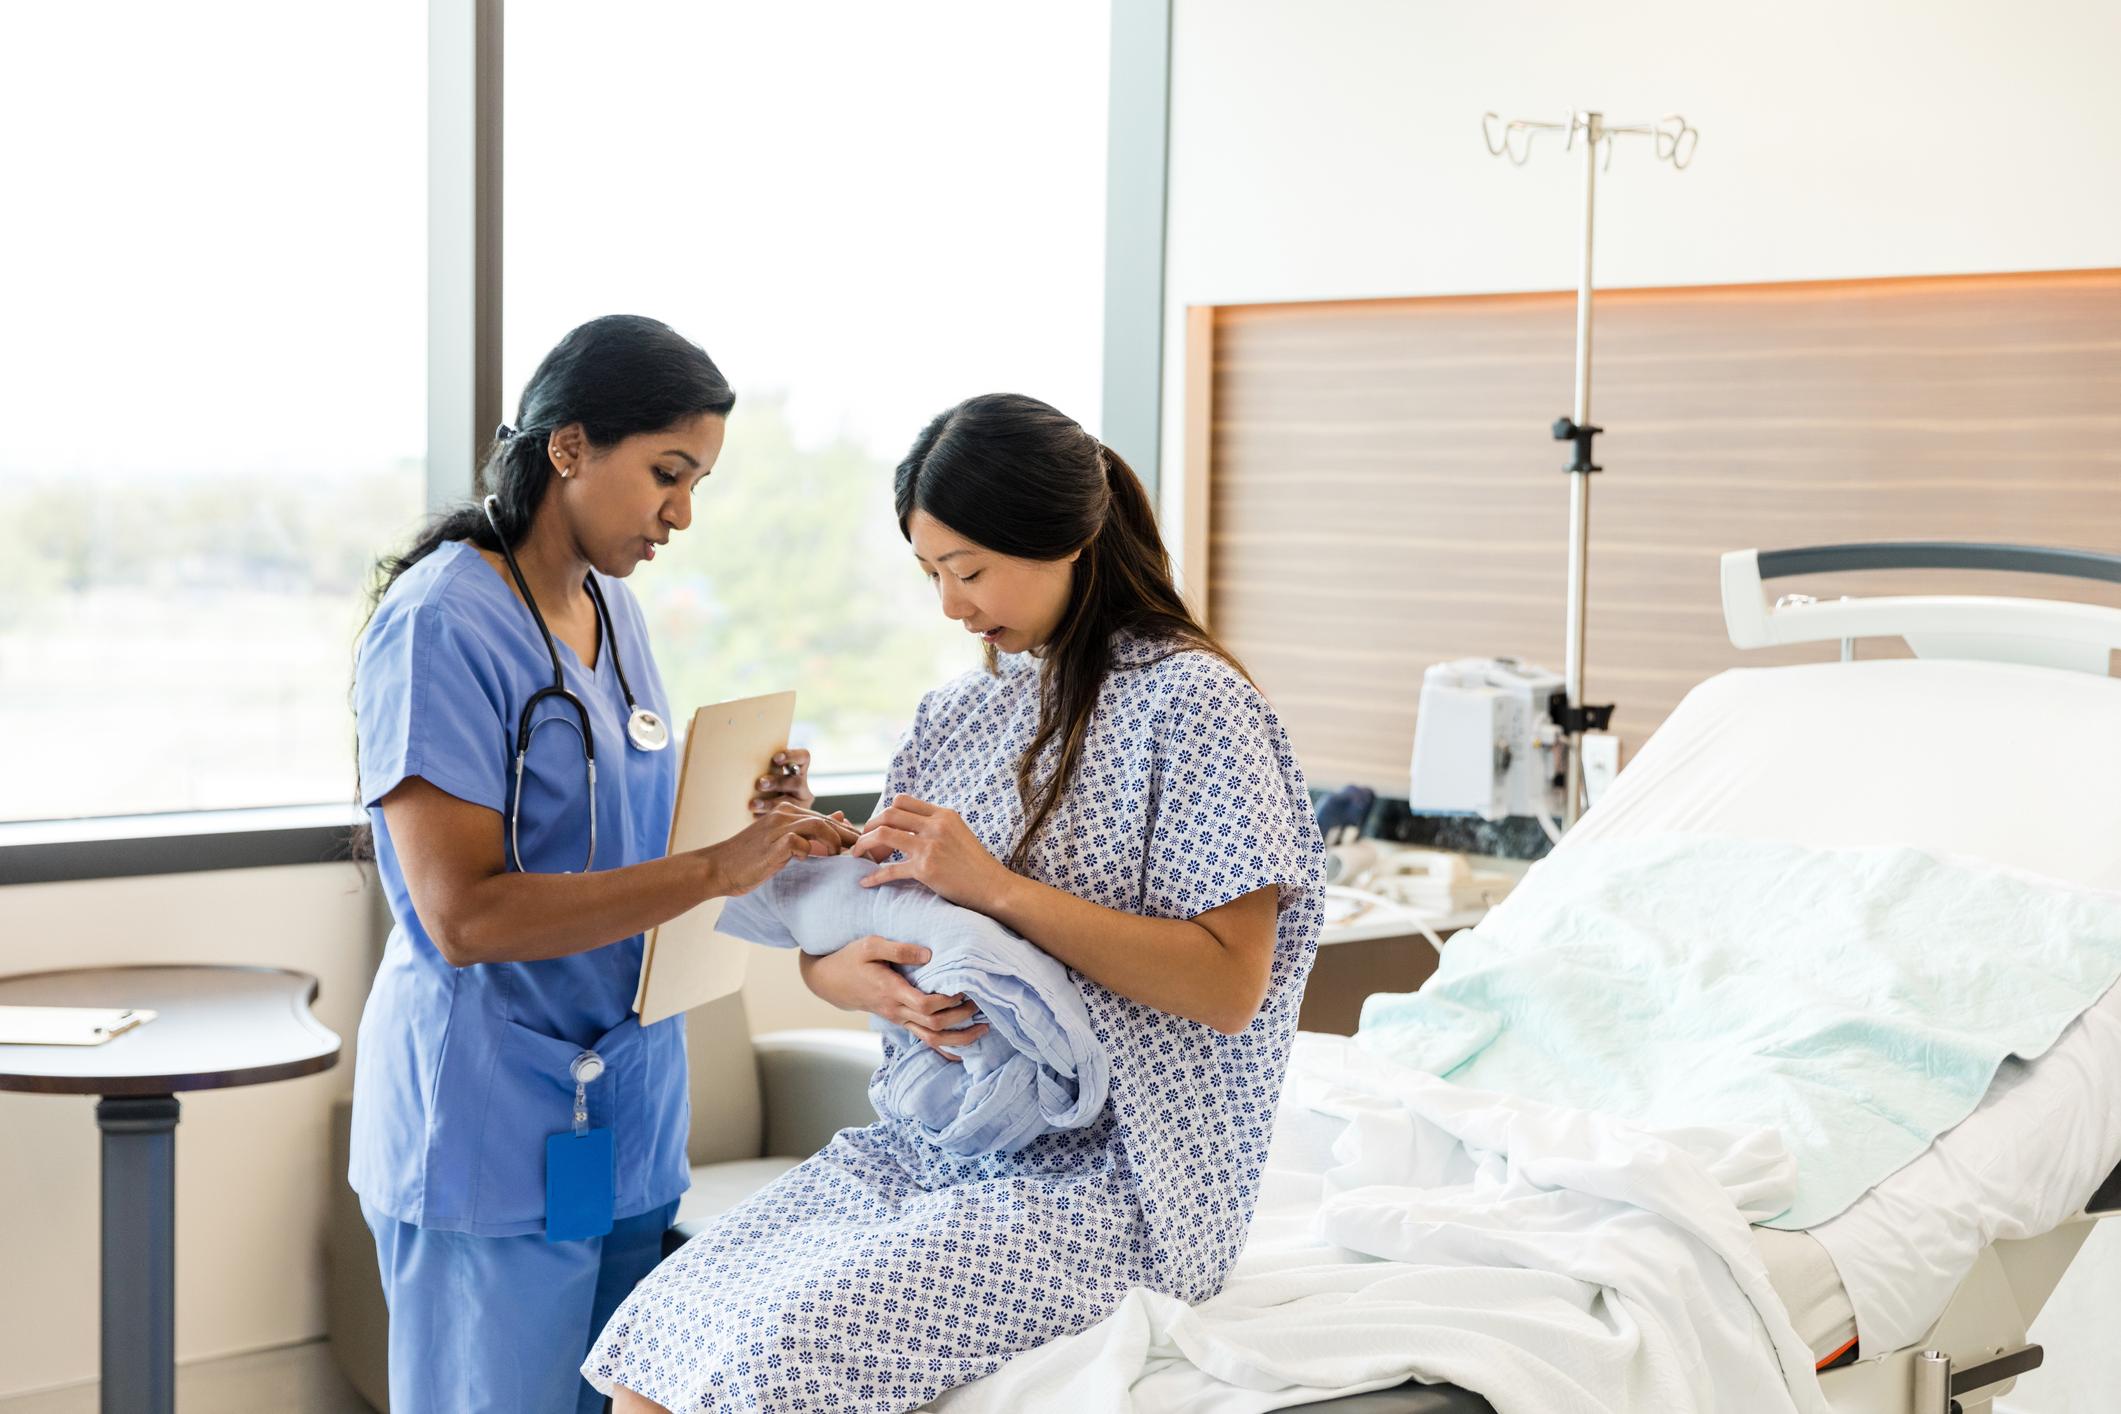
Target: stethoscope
<point>645,731</point>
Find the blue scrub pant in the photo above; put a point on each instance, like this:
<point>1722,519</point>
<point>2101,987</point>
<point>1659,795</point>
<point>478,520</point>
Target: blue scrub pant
<point>501,1325</point>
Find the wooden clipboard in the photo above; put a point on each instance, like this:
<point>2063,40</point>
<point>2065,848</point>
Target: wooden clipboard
<point>686,963</point>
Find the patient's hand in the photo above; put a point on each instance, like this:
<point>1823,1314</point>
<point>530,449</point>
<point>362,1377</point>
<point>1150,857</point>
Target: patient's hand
<point>864,976</point>
<point>937,848</point>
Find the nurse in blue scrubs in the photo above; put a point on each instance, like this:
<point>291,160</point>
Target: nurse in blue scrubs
<point>520,882</point>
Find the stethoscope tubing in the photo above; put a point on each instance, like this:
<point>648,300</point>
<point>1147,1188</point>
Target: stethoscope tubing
<point>645,731</point>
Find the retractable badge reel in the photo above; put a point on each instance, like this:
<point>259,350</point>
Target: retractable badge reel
<point>578,1166</point>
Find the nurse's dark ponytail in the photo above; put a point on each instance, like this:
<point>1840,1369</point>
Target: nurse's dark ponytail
<point>1022,478</point>
<point>618,376</point>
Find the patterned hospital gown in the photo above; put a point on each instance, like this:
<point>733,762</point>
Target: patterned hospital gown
<point>884,1271</point>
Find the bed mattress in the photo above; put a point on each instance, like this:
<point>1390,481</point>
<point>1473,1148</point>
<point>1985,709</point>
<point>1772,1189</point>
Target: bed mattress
<point>1983,760</point>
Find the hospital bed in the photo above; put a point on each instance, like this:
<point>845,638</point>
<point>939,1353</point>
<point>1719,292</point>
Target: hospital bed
<point>1997,741</point>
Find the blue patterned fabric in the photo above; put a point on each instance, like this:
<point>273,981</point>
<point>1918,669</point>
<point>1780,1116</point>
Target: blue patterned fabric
<point>884,1271</point>
<point>1039,1066</point>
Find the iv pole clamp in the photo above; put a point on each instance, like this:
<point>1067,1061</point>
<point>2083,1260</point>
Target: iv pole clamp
<point>1566,430</point>
<point>1673,141</point>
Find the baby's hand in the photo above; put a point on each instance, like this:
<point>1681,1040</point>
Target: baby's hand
<point>865,976</point>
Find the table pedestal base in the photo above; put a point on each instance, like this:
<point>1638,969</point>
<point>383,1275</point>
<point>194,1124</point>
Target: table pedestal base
<point>139,1253</point>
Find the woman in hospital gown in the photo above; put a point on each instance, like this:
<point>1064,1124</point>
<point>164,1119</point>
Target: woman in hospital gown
<point>884,1271</point>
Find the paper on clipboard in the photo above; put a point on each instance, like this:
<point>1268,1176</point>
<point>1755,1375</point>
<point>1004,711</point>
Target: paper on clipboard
<point>686,963</point>
<point>67,1025</point>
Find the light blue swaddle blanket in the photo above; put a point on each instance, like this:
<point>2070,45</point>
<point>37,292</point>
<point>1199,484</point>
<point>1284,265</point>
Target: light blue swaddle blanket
<point>1858,1001</point>
<point>1039,1067</point>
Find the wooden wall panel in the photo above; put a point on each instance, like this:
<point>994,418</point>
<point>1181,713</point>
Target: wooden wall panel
<point>1383,494</point>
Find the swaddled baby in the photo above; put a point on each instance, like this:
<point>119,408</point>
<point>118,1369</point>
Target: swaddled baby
<point>1037,1069</point>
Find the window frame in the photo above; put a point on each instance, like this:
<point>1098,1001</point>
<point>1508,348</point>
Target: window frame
<point>465,133</point>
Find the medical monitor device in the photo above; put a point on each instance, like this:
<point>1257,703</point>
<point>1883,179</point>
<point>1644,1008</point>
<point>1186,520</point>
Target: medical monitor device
<point>1485,742</point>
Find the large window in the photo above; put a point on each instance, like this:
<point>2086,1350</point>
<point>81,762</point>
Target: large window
<point>214,305</point>
<point>864,213</point>
<point>212,319</point>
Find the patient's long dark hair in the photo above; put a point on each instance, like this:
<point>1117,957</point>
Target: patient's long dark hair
<point>1021,478</point>
<point>618,376</point>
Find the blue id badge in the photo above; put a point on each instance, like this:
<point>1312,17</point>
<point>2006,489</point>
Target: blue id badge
<point>579,1166</point>
<point>578,1186</point>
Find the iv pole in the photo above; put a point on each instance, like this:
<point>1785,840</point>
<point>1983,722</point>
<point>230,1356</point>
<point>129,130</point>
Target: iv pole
<point>1674,142</point>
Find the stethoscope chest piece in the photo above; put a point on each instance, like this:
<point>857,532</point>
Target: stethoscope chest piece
<point>646,730</point>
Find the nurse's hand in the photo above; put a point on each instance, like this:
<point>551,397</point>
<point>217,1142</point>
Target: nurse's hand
<point>864,976</point>
<point>787,778</point>
<point>940,851</point>
<point>755,854</point>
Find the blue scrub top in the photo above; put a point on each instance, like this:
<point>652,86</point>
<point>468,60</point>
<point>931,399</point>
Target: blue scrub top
<point>462,1073</point>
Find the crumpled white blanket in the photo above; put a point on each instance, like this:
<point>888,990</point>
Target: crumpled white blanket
<point>1551,1260</point>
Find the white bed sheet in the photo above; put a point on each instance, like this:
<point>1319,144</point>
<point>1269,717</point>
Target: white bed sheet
<point>1568,1278</point>
<point>1798,1268</point>
<point>2015,765</point>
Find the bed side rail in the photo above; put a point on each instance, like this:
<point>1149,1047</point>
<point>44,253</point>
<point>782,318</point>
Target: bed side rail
<point>2049,633</point>
<point>1939,1385</point>
<point>1940,555</point>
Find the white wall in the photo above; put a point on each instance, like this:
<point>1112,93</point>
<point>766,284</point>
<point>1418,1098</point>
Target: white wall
<point>1326,149</point>
<point>252,1164</point>
<point>1332,149</point>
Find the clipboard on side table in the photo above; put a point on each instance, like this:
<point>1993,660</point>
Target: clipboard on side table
<point>67,1025</point>
<point>685,962</point>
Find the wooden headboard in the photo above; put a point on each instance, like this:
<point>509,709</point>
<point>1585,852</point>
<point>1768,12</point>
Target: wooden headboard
<point>1371,487</point>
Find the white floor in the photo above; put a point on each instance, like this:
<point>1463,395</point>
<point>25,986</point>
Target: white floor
<point>2083,1369</point>
<point>295,1379</point>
